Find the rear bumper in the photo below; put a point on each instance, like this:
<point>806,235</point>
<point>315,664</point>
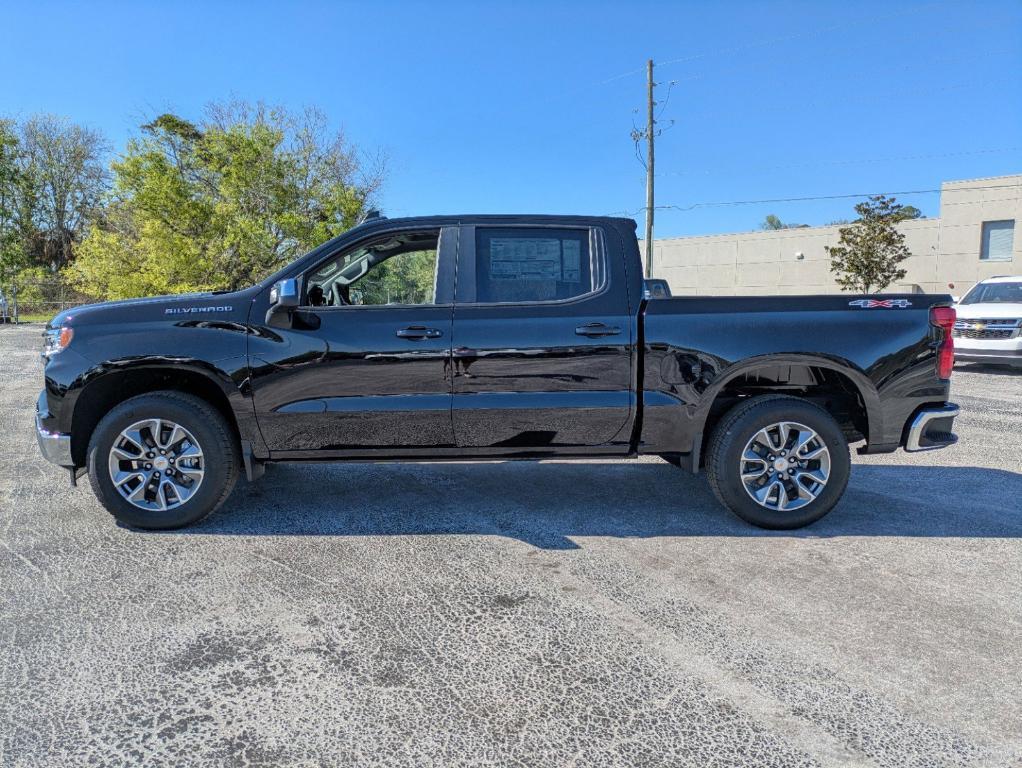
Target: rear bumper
<point>54,446</point>
<point>930,428</point>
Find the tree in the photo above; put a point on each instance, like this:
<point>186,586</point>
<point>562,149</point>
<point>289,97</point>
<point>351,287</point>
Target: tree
<point>403,279</point>
<point>906,213</point>
<point>11,256</point>
<point>909,212</point>
<point>61,178</point>
<point>223,203</point>
<point>772,222</point>
<point>870,249</point>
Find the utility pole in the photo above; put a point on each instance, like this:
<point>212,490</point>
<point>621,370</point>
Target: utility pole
<point>650,120</point>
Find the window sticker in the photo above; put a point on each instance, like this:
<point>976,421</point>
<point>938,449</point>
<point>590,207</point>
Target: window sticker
<point>525,258</point>
<point>572,263</point>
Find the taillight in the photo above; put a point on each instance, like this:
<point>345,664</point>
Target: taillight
<point>944,318</point>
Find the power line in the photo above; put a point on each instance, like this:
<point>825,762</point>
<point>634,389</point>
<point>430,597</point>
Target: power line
<point>857,161</point>
<point>718,204</point>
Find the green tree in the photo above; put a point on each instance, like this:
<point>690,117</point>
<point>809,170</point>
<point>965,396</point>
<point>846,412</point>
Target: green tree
<point>908,212</point>
<point>870,249</point>
<point>51,180</point>
<point>223,203</point>
<point>11,255</point>
<point>772,222</point>
<point>404,279</point>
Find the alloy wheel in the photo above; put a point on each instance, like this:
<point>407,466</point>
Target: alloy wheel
<point>785,466</point>
<point>156,464</point>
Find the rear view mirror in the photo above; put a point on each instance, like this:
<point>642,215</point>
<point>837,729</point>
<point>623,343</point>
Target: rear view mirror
<point>285,295</point>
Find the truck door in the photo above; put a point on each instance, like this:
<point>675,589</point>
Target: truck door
<point>365,363</point>
<point>542,341</point>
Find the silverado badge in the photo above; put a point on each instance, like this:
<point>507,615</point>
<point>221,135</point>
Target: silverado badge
<point>191,310</point>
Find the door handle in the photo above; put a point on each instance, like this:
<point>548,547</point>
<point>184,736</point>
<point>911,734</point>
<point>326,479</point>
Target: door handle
<point>419,332</point>
<point>595,330</point>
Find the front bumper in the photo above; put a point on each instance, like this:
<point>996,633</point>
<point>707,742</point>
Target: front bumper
<point>990,355</point>
<point>930,428</point>
<point>55,446</point>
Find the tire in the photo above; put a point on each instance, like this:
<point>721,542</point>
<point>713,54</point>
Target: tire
<point>208,449</point>
<point>758,423</point>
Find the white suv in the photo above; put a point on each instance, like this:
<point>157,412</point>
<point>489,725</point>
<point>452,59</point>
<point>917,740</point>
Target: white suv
<point>989,326</point>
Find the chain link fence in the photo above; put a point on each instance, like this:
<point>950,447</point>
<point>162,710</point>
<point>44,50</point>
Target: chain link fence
<point>27,301</point>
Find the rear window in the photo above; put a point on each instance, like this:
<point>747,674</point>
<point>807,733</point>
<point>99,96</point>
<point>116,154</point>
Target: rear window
<point>527,265</point>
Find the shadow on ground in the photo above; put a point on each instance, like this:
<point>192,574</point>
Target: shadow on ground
<point>551,504</point>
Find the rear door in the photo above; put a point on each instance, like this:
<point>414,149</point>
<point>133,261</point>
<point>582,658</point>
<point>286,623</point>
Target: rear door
<point>542,345</point>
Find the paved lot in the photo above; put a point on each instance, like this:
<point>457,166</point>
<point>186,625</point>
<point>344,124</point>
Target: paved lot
<point>597,613</point>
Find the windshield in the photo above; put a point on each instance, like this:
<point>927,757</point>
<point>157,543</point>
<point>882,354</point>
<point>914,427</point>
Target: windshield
<point>995,293</point>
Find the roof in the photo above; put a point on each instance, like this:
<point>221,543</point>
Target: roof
<point>1012,179</point>
<point>1003,279</point>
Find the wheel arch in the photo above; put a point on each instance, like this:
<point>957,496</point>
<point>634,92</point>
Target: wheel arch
<point>105,389</point>
<point>838,386</point>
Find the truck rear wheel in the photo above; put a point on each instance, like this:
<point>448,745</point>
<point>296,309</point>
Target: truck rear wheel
<point>778,462</point>
<point>162,460</point>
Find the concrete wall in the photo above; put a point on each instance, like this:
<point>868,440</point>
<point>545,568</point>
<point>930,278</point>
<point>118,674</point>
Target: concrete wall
<point>943,250</point>
<point>964,206</point>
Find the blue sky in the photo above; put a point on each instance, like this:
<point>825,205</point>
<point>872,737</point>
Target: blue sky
<point>527,107</point>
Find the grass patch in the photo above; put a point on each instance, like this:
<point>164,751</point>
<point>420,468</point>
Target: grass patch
<point>25,317</point>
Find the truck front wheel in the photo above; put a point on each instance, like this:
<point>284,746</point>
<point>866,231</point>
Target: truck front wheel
<point>778,462</point>
<point>162,460</point>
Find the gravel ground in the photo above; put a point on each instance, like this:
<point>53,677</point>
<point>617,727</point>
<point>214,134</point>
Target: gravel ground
<point>555,613</point>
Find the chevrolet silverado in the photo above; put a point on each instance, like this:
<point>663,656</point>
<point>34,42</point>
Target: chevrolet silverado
<point>489,337</point>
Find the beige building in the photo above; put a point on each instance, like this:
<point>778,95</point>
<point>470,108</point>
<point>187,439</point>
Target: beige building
<point>974,238</point>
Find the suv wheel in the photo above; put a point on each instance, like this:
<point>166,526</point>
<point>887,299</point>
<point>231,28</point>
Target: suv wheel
<point>162,460</point>
<point>778,462</point>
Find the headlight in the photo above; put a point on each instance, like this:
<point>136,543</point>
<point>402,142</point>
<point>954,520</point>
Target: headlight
<point>56,340</point>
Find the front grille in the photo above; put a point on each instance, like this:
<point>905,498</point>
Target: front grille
<point>987,329</point>
<point>970,334</point>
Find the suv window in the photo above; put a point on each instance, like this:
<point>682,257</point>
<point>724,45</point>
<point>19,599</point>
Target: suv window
<point>521,265</point>
<point>995,293</point>
<point>396,269</point>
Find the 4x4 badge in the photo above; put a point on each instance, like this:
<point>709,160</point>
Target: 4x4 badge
<point>880,303</point>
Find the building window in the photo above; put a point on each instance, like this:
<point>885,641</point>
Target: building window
<point>998,240</point>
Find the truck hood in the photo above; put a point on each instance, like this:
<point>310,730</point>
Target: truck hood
<point>176,306</point>
<point>990,309</point>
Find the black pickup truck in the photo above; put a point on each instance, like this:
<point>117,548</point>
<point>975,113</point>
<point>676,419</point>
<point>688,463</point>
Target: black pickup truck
<point>489,337</point>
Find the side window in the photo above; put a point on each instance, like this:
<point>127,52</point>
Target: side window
<point>408,278</point>
<point>395,269</point>
<point>517,264</point>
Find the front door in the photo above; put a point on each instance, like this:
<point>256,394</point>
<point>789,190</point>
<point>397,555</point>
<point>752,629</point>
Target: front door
<point>542,345</point>
<point>364,365</point>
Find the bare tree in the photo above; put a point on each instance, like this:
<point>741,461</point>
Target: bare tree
<point>62,180</point>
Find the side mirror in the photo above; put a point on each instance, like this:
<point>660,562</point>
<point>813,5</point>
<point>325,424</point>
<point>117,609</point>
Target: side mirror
<point>284,297</point>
